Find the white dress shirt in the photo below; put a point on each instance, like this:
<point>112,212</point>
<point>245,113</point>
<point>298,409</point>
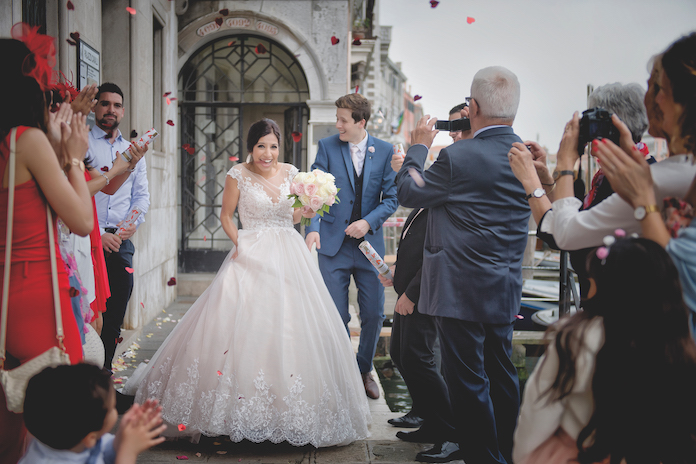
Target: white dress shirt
<point>358,156</point>
<point>573,229</point>
<point>112,209</point>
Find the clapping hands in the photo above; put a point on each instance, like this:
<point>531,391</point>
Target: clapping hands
<point>140,428</point>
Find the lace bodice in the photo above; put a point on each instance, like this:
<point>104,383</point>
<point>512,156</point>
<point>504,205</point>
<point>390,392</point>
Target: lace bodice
<point>264,203</point>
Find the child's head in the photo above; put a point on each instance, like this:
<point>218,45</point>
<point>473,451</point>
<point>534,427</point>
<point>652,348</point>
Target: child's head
<point>635,286</point>
<point>70,405</point>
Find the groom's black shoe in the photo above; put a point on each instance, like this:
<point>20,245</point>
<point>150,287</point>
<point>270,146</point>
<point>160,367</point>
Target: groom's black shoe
<point>443,452</point>
<point>409,421</point>
<point>419,436</point>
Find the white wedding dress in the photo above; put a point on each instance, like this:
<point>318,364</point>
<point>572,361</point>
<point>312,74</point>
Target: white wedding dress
<point>263,353</point>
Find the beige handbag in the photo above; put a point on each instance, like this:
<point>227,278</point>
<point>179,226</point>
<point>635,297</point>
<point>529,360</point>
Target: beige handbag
<point>14,382</point>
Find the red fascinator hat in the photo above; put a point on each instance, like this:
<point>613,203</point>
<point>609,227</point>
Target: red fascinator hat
<point>41,60</point>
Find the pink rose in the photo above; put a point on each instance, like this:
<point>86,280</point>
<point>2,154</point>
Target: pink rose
<point>331,200</point>
<point>299,189</point>
<point>311,189</point>
<point>315,203</point>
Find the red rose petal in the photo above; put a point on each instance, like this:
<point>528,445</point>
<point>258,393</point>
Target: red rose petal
<point>218,21</point>
<point>205,238</point>
<point>169,102</point>
<point>357,42</point>
<point>470,20</point>
<point>234,158</point>
<point>297,136</point>
<point>229,44</point>
<point>71,7</point>
<point>105,169</point>
<point>434,3</point>
<point>219,373</point>
<point>224,12</point>
<point>143,305</point>
<point>134,134</point>
<point>130,10</point>
<point>334,40</point>
<point>260,49</point>
<point>182,458</point>
<point>416,98</point>
<point>73,292</point>
<point>172,282</point>
<point>357,88</point>
<point>75,36</point>
<point>181,427</point>
<point>170,122</point>
<point>166,94</point>
<point>519,316</point>
<point>172,98</point>
<point>188,148</point>
<point>71,42</point>
<point>129,270</point>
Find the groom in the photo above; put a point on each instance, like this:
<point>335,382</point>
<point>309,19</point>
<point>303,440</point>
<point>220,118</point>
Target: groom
<point>361,165</point>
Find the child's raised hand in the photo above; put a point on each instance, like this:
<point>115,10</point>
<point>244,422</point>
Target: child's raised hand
<point>139,430</point>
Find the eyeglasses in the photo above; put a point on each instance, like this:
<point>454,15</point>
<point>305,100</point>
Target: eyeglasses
<point>468,101</point>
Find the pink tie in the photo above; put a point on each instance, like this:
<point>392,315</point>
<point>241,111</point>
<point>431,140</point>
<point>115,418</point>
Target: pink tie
<point>357,162</point>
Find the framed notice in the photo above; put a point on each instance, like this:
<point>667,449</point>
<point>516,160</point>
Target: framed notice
<point>87,70</point>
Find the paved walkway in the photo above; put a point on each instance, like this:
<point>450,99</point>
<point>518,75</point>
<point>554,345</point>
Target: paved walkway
<point>381,447</point>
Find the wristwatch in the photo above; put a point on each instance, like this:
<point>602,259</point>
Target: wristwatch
<point>557,174</point>
<point>641,211</point>
<point>537,193</point>
<point>78,163</point>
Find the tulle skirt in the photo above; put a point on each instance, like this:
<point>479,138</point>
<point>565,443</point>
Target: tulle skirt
<point>262,354</point>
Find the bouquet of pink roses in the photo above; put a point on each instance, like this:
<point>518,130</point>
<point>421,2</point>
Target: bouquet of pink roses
<point>314,191</point>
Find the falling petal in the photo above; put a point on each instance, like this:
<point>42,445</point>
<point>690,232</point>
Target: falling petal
<point>434,3</point>
<point>416,177</point>
<point>519,316</point>
<point>172,282</point>
<point>129,270</point>
<point>70,5</point>
<point>417,97</point>
<point>229,44</point>
<point>219,373</point>
<point>170,122</point>
<point>357,42</point>
<point>205,238</point>
<point>225,352</point>
<point>198,455</point>
<point>189,149</point>
<point>234,158</point>
<point>142,304</point>
<point>260,49</point>
<point>334,40</point>
<point>169,102</point>
<point>130,10</point>
<point>181,427</point>
<point>218,21</point>
<point>75,36</point>
<point>182,458</point>
<point>73,292</point>
<point>166,94</point>
<point>470,20</point>
<point>172,98</point>
<point>357,88</point>
<point>297,55</point>
<point>224,12</point>
<point>134,134</point>
<point>296,136</point>
<point>221,452</point>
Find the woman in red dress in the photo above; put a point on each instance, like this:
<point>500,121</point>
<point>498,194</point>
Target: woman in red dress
<point>39,179</point>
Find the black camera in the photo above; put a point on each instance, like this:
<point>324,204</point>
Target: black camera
<point>596,123</point>
<point>461,124</point>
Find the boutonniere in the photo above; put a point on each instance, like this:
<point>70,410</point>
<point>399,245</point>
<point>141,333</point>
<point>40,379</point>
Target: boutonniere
<point>371,149</point>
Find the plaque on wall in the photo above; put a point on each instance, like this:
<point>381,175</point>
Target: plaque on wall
<point>87,70</point>
<point>321,131</point>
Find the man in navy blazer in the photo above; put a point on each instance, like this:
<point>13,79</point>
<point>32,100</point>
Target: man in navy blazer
<point>472,266</point>
<point>361,165</point>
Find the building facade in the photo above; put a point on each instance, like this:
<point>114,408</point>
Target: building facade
<point>201,72</point>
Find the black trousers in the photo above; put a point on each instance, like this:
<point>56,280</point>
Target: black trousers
<point>483,387</point>
<point>121,283</point>
<point>412,349</point>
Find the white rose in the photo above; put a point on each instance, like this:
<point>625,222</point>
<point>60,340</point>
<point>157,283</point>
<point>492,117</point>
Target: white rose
<point>304,199</point>
<point>324,191</point>
<point>321,177</point>
<point>299,177</point>
<point>309,178</point>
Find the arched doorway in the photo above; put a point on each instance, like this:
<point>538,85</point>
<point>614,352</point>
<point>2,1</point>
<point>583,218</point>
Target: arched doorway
<point>224,88</point>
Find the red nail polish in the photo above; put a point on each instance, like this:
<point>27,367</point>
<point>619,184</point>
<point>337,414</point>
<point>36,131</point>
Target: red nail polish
<point>604,141</point>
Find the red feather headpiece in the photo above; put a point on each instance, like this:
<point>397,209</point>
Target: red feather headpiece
<point>40,62</point>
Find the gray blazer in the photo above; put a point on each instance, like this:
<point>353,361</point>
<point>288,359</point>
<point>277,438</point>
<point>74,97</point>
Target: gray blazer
<point>477,228</point>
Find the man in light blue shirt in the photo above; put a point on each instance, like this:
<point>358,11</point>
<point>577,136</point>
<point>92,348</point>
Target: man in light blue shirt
<point>105,143</point>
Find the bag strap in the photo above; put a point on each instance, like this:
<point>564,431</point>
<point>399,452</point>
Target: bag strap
<point>8,245</point>
<point>54,278</point>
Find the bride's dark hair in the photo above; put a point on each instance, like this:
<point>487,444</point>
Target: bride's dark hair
<point>261,129</point>
<point>644,383</point>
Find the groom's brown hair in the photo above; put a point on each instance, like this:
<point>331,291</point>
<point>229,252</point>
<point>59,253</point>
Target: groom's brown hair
<point>358,105</point>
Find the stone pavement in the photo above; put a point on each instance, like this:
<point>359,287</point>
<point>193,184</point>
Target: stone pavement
<point>381,447</point>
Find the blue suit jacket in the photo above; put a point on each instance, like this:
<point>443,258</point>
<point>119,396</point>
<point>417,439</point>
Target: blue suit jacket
<point>378,192</point>
<point>477,228</point>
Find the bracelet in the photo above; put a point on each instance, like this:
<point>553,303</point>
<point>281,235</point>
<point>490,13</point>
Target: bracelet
<point>105,177</point>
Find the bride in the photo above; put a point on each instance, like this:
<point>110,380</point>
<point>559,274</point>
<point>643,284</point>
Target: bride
<point>263,353</point>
